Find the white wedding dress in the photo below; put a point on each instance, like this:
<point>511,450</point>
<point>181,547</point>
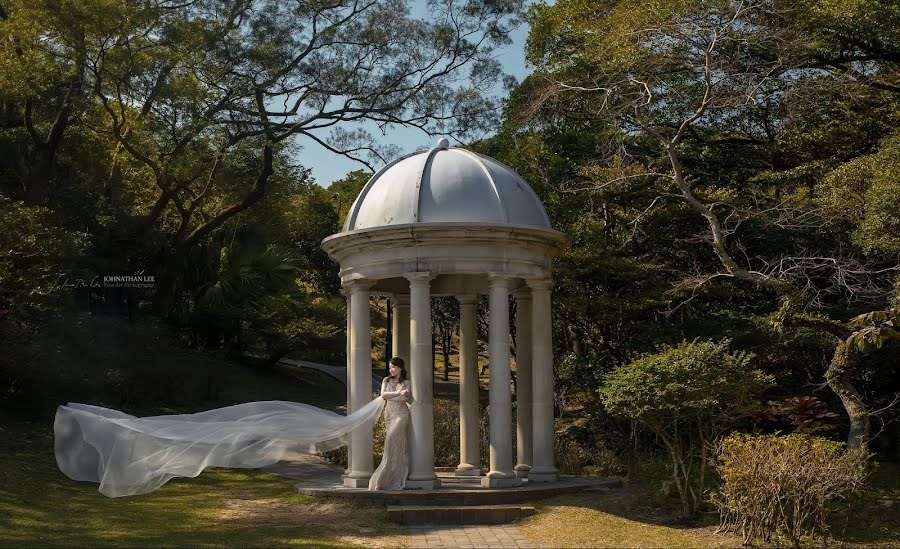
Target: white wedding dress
<point>391,473</point>
<point>128,455</point>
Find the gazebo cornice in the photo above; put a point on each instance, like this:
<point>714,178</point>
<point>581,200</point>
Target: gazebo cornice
<point>444,249</point>
<point>345,243</point>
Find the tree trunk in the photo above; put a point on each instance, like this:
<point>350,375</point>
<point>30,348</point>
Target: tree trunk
<point>446,348</point>
<point>840,378</point>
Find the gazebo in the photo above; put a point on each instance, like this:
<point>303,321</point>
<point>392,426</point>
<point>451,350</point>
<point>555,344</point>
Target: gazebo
<point>448,221</point>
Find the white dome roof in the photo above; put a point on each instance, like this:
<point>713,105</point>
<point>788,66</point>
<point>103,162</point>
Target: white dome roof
<point>446,185</point>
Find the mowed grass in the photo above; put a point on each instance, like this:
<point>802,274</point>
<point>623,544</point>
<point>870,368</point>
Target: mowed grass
<point>41,507</point>
<point>618,518</point>
<point>638,516</point>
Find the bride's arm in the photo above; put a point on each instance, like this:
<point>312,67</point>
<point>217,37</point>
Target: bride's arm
<point>388,395</point>
<point>408,396</point>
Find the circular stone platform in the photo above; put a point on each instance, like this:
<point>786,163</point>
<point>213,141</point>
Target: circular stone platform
<point>321,479</point>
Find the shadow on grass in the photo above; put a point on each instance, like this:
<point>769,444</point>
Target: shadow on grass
<point>638,515</point>
<point>41,507</point>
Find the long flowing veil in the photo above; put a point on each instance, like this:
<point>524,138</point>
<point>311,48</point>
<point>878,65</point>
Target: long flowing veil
<point>128,455</point>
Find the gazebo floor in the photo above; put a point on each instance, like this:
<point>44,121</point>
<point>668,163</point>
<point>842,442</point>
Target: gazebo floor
<point>322,479</point>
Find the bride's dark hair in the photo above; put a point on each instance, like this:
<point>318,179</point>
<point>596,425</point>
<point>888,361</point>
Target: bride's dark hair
<point>398,362</point>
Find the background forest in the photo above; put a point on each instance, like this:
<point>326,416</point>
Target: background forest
<point>727,172</point>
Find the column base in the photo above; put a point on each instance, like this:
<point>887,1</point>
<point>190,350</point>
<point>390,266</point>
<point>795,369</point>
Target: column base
<point>432,484</point>
<point>496,482</point>
<point>351,482</point>
<point>467,472</point>
<point>537,476</point>
<point>522,470</point>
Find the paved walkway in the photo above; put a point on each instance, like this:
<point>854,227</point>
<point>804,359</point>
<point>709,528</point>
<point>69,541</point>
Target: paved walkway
<point>337,372</point>
<point>471,537</point>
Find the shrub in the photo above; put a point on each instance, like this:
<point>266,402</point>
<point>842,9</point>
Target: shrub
<point>784,485</point>
<point>574,457</point>
<point>687,395</point>
<point>809,415</point>
<point>446,432</point>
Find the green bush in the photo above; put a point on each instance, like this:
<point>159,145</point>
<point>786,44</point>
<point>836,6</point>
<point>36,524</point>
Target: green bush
<point>775,486</point>
<point>573,457</point>
<point>687,395</point>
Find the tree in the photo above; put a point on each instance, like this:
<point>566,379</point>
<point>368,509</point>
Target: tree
<point>687,395</point>
<point>445,320</point>
<point>344,191</point>
<point>682,80</point>
<point>204,99</point>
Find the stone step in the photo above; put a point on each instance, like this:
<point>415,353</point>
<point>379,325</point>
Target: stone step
<point>458,514</point>
<point>459,493</point>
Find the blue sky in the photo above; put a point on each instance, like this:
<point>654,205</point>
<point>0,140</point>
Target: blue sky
<point>327,166</point>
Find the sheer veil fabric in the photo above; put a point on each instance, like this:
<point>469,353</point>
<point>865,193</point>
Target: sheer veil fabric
<point>128,455</point>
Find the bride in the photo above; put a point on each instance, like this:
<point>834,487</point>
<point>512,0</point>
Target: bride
<point>395,389</point>
<point>128,455</point>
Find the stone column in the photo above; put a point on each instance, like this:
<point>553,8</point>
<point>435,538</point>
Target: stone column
<point>421,470</point>
<point>543,469</point>
<point>469,439</point>
<point>500,410</point>
<point>362,464</point>
<point>523,382</point>
<point>345,290</point>
<point>400,328</point>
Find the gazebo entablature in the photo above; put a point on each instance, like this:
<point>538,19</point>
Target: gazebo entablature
<point>458,255</point>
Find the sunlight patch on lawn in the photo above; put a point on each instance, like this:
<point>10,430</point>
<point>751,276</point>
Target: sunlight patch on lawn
<point>608,520</point>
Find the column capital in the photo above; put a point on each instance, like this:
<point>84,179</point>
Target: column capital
<point>539,284</point>
<point>400,300</point>
<point>419,278</point>
<point>523,293</point>
<point>357,284</point>
<point>466,299</point>
<point>498,280</point>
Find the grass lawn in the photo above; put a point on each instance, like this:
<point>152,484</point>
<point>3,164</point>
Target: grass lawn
<point>41,507</point>
<point>637,516</point>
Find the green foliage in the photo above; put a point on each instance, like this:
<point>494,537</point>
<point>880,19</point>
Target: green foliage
<point>700,381</point>
<point>577,374</point>
<point>787,486</point>
<point>157,129</point>
<point>687,395</point>
<point>875,329</point>
<point>344,191</point>
<point>790,151</point>
<point>38,260</point>
<point>866,192</point>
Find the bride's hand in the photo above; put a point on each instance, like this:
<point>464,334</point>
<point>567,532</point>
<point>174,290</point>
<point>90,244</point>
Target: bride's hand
<point>404,392</point>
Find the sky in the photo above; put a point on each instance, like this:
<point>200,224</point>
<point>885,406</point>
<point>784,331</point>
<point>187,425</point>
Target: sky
<point>328,167</point>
